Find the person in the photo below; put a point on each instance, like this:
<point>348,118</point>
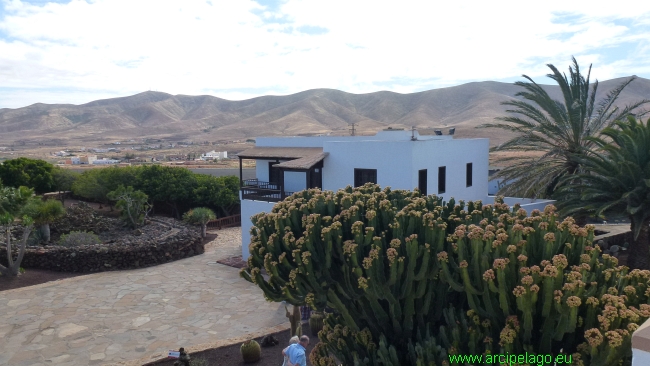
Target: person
<point>292,341</point>
<point>296,352</point>
<point>183,359</point>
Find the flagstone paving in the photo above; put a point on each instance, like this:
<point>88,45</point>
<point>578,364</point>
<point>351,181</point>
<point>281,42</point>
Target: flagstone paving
<point>109,317</point>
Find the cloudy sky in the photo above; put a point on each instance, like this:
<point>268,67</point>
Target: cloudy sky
<point>82,50</point>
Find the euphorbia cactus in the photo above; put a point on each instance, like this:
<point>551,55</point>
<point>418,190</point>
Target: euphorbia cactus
<point>390,262</point>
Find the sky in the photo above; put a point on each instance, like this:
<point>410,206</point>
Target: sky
<point>83,50</point>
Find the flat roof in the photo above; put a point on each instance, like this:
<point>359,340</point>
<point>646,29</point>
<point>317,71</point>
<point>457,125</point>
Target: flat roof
<point>260,152</point>
<point>303,163</point>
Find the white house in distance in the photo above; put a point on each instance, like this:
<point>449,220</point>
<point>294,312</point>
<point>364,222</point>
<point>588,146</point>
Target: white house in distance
<point>437,164</point>
<point>214,155</point>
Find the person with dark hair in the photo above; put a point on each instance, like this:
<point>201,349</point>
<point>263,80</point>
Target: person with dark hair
<point>183,359</point>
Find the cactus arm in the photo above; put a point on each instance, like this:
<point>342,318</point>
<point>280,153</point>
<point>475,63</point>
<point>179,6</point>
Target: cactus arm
<point>338,305</point>
<point>412,250</point>
<point>467,282</point>
<point>424,253</point>
<point>449,279</point>
<point>503,292</point>
<point>547,299</point>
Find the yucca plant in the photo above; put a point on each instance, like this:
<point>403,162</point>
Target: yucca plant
<point>45,213</point>
<point>559,129</point>
<point>200,216</point>
<point>617,180</point>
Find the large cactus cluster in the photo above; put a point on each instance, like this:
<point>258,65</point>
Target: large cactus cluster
<point>413,279</point>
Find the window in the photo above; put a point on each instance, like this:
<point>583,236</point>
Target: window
<point>422,181</point>
<point>275,175</point>
<point>468,175</point>
<point>442,179</point>
<point>363,176</point>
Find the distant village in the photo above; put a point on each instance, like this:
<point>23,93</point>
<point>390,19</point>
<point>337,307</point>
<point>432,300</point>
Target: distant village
<point>123,153</point>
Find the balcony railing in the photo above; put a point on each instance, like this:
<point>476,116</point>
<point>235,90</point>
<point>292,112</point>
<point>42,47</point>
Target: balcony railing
<point>253,189</point>
<point>254,183</point>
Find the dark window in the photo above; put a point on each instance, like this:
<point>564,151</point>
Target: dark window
<point>275,175</point>
<point>363,176</point>
<point>468,175</point>
<point>422,181</point>
<point>442,179</point>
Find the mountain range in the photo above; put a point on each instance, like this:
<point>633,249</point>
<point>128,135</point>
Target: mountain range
<point>319,111</point>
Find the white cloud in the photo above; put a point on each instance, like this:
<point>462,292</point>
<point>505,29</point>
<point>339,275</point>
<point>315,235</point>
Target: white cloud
<point>240,49</point>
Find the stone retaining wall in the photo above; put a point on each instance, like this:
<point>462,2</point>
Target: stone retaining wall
<point>184,242</point>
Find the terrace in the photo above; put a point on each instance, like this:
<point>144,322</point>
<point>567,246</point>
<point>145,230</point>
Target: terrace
<point>254,189</point>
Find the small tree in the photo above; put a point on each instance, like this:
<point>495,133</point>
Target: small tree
<point>43,214</point>
<point>12,203</point>
<point>134,204</point>
<point>63,181</point>
<point>200,216</point>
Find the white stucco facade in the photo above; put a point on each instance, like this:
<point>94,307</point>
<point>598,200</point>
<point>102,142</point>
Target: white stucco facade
<point>640,358</point>
<point>400,161</point>
<point>248,209</point>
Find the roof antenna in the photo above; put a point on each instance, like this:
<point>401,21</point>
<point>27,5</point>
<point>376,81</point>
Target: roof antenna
<point>352,129</point>
<point>413,138</point>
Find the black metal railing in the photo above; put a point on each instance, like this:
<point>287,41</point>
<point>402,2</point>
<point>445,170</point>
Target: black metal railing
<point>250,183</point>
<point>253,189</point>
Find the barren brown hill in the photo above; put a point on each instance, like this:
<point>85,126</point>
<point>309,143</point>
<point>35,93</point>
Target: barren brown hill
<point>207,118</point>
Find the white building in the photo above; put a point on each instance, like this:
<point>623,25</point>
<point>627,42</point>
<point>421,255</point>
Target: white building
<point>105,161</point>
<point>212,155</point>
<point>438,164</point>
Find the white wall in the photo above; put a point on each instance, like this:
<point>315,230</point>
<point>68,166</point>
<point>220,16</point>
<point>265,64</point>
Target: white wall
<point>398,163</point>
<point>454,155</point>
<point>495,184</point>
<point>294,181</point>
<point>392,159</point>
<point>248,209</point>
<point>262,169</point>
<point>640,358</point>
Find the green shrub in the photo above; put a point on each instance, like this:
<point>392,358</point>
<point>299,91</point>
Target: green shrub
<point>134,205</point>
<point>412,281</point>
<point>78,238</point>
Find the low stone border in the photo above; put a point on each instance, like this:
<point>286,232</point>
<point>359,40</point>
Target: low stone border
<point>155,359</point>
<point>181,241</point>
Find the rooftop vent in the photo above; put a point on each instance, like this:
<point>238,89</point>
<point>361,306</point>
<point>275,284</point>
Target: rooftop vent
<point>438,132</point>
<point>452,130</point>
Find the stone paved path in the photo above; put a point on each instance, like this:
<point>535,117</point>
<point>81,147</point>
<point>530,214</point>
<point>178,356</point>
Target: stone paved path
<point>109,317</point>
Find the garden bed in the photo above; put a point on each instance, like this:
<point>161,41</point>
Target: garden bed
<point>230,355</point>
<point>33,276</point>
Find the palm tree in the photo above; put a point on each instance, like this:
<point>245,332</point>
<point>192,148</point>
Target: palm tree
<point>560,130</point>
<point>617,179</point>
<point>200,216</point>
